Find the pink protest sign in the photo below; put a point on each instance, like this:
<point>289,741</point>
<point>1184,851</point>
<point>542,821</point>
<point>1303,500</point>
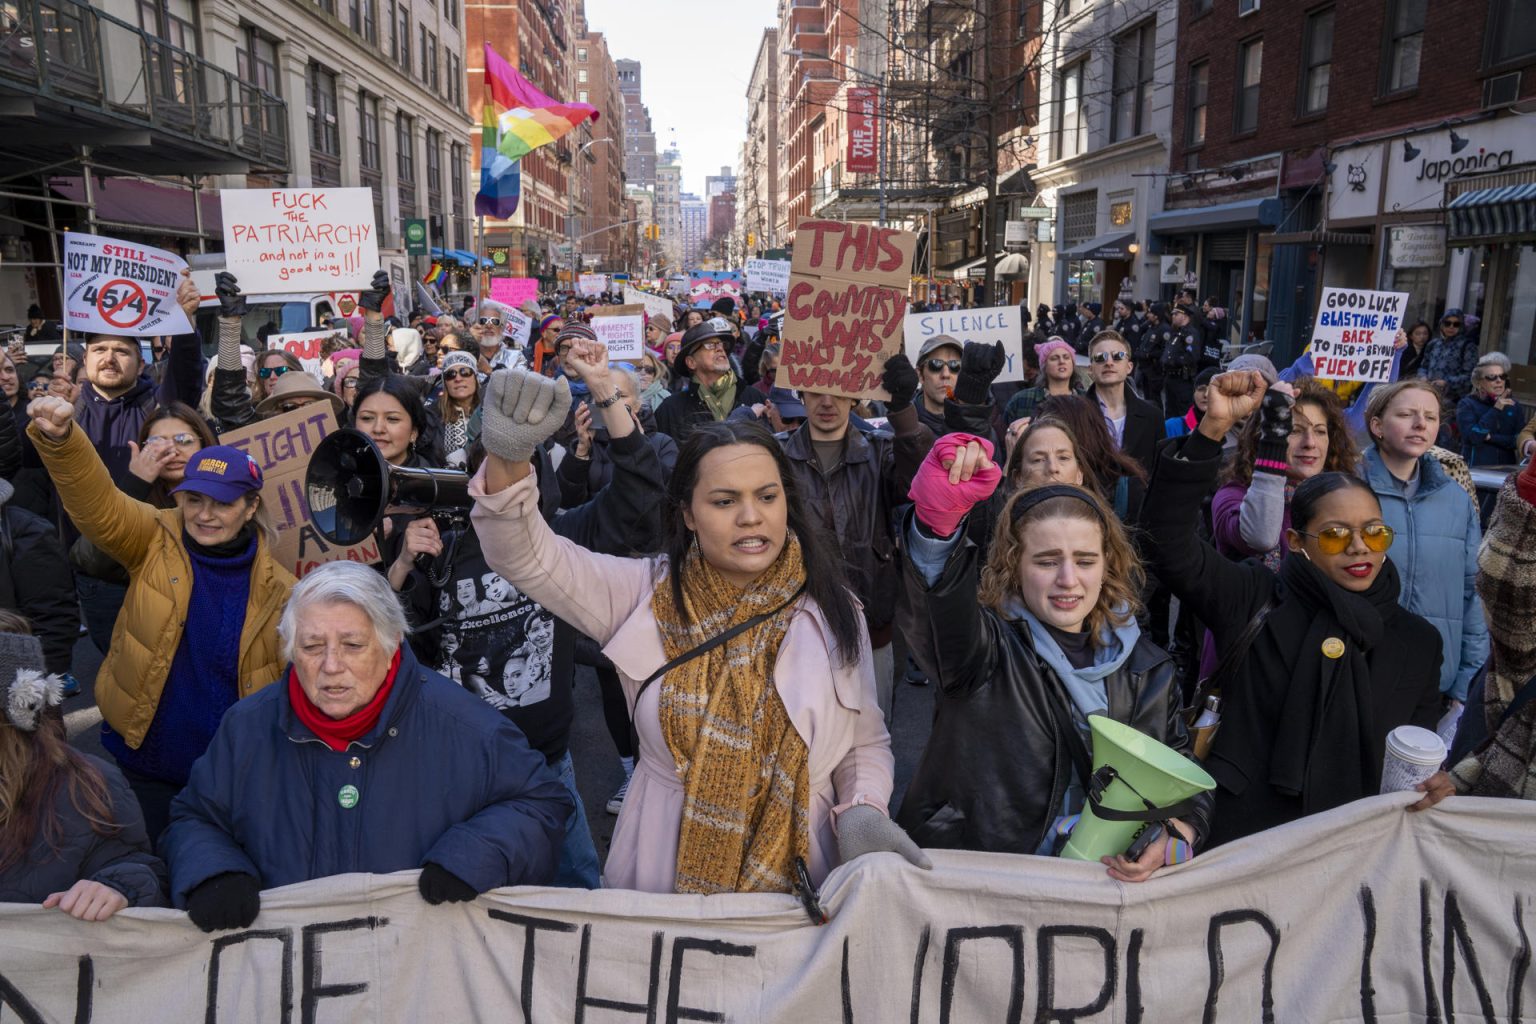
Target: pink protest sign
<point>514,291</point>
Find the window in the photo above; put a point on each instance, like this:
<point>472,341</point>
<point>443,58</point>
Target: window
<point>405,160</point>
<point>1196,95</point>
<point>403,34</point>
<point>324,140</point>
<point>451,12</point>
<point>1071,125</point>
<point>1079,217</point>
<point>1132,92</point>
<point>368,132</point>
<point>1316,61</point>
<point>581,54</point>
<point>429,75</point>
<point>457,169</point>
<point>435,168</point>
<point>371,21</point>
<point>1250,62</point>
<point>1199,7</point>
<point>1511,32</point>
<point>581,96</point>
<point>1403,44</point>
<point>581,75</point>
<point>455,81</point>
<point>256,65</point>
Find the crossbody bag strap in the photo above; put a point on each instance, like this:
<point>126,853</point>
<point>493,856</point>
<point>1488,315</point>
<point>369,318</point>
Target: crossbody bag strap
<point>1233,659</point>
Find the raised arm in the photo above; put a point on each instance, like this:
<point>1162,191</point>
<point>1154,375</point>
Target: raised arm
<point>231,404</point>
<point>375,358</point>
<point>183,381</point>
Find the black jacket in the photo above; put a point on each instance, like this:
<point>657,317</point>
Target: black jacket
<point>856,501</point>
<point>1150,343</point>
<point>231,401</point>
<point>580,479</point>
<point>36,581</point>
<point>994,773</point>
<point>682,411</point>
<point>1144,427</point>
<point>1225,595</point>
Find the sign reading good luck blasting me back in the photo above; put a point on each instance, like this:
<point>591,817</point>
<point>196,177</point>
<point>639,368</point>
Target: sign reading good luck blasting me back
<point>843,313</point>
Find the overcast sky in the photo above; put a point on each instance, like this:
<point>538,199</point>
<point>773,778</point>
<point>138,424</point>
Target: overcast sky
<point>695,61</point>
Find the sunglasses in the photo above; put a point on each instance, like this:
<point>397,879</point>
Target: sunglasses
<point>1494,376</point>
<point>272,371</point>
<point>1450,323</point>
<point>489,321</point>
<point>1334,539</point>
<point>296,404</point>
<point>179,440</point>
<point>349,384</point>
<point>1119,356</point>
<point>461,372</point>
<point>938,365</point>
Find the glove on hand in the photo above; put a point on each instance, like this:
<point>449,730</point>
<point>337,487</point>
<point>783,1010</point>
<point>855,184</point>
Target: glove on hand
<point>521,410</point>
<point>940,504</point>
<point>1274,429</point>
<point>979,366</point>
<point>377,292</point>
<point>231,302</point>
<point>230,900</point>
<point>899,380</point>
<point>439,885</point>
<point>862,829</point>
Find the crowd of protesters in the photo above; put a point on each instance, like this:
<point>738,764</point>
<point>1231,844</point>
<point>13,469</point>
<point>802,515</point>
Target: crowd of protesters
<point>749,570</point>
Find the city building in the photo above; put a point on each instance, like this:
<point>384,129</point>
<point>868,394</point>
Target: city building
<point>639,136</point>
<point>669,211</point>
<point>693,222</point>
<point>720,223</point>
<point>645,234</point>
<point>757,191</point>
<point>1372,149</point>
<point>601,168</point>
<point>720,217</point>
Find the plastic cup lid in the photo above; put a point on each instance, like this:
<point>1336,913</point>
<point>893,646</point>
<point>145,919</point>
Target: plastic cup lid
<point>1416,744</point>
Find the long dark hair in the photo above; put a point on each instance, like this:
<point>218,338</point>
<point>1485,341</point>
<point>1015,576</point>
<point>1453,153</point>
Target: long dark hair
<point>1342,455</point>
<point>159,496</point>
<point>1104,462</point>
<point>405,390</point>
<point>825,579</point>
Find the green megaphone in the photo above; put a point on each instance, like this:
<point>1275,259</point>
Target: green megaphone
<point>1131,770</point>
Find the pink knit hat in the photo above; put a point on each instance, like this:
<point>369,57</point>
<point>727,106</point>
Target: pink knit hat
<point>1050,345</point>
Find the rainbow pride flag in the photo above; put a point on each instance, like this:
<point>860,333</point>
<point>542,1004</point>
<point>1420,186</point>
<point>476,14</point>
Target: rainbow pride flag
<point>501,180</point>
<point>526,118</point>
<point>435,274</point>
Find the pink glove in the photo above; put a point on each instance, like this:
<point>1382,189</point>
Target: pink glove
<point>940,504</point>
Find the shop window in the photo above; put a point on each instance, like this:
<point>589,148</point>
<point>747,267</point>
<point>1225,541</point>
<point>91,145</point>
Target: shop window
<point>1250,64</point>
<point>1316,62</point>
<point>1197,94</point>
<point>1402,46</point>
<point>1079,217</point>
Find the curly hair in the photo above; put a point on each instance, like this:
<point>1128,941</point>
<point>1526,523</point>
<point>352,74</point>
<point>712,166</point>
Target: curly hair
<point>1119,598</point>
<point>1343,456</point>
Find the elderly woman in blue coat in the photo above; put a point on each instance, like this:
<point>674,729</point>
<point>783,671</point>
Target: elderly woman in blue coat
<point>1436,523</point>
<point>361,760</point>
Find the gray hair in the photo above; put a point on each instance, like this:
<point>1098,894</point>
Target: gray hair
<point>1488,359</point>
<point>345,583</point>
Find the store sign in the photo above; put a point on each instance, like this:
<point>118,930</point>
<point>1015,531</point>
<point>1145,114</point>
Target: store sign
<point>1015,232</point>
<point>863,130</point>
<point>1174,269</point>
<point>1416,245</point>
<point>415,237</point>
<point>1417,167</point>
<point>1120,214</point>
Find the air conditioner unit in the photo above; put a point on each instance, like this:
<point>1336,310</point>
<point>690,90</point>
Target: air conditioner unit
<point>1245,7</point>
<point>1501,90</point>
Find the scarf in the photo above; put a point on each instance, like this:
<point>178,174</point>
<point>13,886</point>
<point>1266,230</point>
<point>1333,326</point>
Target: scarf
<point>1325,747</point>
<point>746,780</point>
<point>336,733</point>
<point>719,395</point>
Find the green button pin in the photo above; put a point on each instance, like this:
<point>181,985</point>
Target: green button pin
<point>347,796</point>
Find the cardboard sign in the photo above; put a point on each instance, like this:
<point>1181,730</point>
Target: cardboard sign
<point>846,302</point>
<point>307,348</point>
<point>282,446</point>
<point>655,305</point>
<point>771,276</point>
<point>514,291</point>
<point>592,284</point>
<point>987,326</point>
<point>622,329</point>
<point>116,287</point>
<point>300,239</point>
<point>1354,334</point>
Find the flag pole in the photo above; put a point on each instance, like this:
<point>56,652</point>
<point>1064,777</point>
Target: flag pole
<point>479,254</point>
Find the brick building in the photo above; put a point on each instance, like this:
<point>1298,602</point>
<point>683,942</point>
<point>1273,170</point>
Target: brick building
<point>601,169</point>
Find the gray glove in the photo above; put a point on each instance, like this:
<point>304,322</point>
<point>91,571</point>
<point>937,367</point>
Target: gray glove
<point>521,411</point>
<point>862,829</point>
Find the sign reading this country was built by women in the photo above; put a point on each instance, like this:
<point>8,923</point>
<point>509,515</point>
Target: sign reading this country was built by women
<point>117,287</point>
<point>280,240</point>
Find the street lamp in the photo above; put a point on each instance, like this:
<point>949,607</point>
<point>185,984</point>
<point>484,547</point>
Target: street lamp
<point>884,113</point>
<point>571,203</point>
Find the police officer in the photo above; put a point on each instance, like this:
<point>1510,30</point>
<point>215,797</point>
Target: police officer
<point>1182,361</point>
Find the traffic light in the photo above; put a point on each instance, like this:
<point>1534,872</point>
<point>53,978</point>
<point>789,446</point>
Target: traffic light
<point>751,239</point>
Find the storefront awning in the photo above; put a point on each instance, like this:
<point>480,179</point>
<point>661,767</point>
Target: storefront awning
<point>147,207</point>
<point>1316,237</point>
<point>1247,213</point>
<point>1486,212</point>
<point>1116,245</point>
<point>459,257</point>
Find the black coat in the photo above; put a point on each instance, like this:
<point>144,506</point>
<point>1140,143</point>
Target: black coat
<point>36,581</point>
<point>682,411</point>
<point>994,773</point>
<point>1226,595</point>
<point>1144,428</point>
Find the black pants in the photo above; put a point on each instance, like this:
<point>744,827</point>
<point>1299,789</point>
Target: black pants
<point>1178,396</point>
<point>154,796</point>
<point>615,708</point>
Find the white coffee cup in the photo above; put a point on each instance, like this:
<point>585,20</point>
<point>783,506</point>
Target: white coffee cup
<point>1413,755</point>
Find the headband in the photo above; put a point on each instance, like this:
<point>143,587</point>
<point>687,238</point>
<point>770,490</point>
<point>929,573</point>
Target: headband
<point>1035,495</point>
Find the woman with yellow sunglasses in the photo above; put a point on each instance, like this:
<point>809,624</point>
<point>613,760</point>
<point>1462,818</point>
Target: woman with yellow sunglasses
<point>1324,661</point>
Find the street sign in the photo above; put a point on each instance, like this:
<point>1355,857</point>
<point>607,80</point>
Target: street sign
<point>416,237</point>
<point>501,260</point>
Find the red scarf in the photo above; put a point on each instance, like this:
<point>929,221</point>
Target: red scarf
<point>336,733</point>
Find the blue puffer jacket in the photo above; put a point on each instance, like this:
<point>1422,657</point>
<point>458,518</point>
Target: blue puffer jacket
<point>1487,432</point>
<point>442,777</point>
<point>1437,534</point>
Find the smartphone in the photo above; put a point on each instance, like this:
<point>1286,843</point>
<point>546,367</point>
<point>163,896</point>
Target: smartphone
<point>1153,833</point>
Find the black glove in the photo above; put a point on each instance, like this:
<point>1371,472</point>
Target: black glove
<point>230,900</point>
<point>231,302</point>
<point>439,885</point>
<point>1274,430</point>
<point>378,291</point>
<point>979,366</point>
<point>899,380</point>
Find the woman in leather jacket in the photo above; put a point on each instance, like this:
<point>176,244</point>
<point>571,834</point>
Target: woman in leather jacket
<point>1048,638</point>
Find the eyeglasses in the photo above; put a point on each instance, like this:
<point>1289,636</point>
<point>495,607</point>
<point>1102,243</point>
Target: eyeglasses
<point>938,365</point>
<point>458,374</point>
<point>1119,356</point>
<point>1334,539</point>
<point>712,345</point>
<point>649,371</point>
<point>179,440</point>
<point>489,321</point>
<point>297,403</point>
<point>273,371</point>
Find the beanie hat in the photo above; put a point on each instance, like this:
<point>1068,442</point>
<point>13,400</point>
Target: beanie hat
<point>1051,344</point>
<point>1094,307</point>
<point>1206,376</point>
<point>34,312</point>
<point>453,359</point>
<point>547,321</point>
<point>28,690</point>
<point>724,305</point>
<point>1252,361</point>
<point>575,330</point>
<point>661,323</point>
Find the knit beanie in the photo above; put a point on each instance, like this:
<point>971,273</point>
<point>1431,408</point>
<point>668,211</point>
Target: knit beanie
<point>453,359</point>
<point>1045,348</point>
<point>661,323</point>
<point>724,305</point>
<point>1252,361</point>
<point>27,690</point>
<point>572,331</point>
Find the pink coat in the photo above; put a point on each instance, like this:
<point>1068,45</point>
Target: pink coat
<point>609,599</point>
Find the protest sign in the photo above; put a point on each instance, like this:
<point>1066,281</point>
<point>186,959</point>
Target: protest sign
<point>986,326</point>
<point>116,287</point>
<point>655,305</point>
<point>282,445</point>
<point>514,291</point>
<point>771,276</point>
<point>517,325</point>
<point>307,348</point>
<point>706,287</point>
<point>592,284</point>
<point>622,329</point>
<point>1354,334</point>
<point>1364,914</point>
<point>300,239</point>
<point>847,297</point>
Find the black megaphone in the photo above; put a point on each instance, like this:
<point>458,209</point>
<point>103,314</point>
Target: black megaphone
<point>350,489</point>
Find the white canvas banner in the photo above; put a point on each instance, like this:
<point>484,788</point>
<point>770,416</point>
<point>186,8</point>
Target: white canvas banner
<point>1365,914</point>
<point>987,326</point>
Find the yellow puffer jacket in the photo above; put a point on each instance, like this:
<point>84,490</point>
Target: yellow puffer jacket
<point>148,542</point>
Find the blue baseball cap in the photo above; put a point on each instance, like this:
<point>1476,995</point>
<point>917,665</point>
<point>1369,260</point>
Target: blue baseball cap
<point>222,473</point>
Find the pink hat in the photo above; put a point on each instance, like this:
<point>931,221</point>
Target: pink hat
<point>1051,344</point>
